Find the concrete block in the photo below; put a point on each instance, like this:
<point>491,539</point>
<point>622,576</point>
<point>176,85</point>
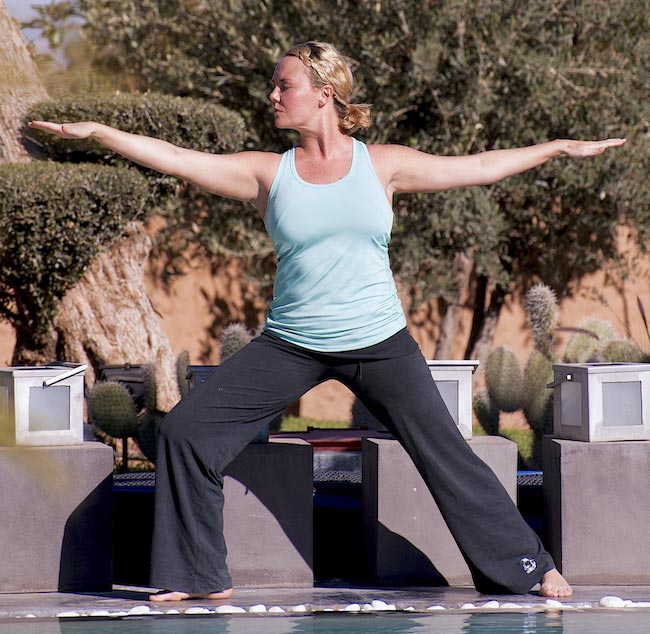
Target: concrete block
<point>268,514</point>
<point>56,518</point>
<point>597,508</point>
<point>407,541</point>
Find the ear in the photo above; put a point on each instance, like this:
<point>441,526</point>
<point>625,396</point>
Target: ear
<point>326,95</point>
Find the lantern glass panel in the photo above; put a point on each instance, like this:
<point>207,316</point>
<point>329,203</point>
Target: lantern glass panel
<point>622,404</point>
<point>49,408</point>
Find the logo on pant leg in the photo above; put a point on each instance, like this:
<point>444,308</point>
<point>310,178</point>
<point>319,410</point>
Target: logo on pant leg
<point>529,565</point>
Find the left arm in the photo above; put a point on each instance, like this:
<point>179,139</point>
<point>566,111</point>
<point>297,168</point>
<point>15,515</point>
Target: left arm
<point>405,170</point>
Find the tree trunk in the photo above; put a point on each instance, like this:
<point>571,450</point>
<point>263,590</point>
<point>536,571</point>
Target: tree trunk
<point>484,324</point>
<point>452,310</point>
<point>20,86</point>
<point>108,318</point>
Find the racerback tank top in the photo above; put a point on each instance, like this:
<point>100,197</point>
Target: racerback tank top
<point>334,289</point>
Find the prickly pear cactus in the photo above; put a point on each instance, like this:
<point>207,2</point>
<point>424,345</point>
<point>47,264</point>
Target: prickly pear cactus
<point>541,308</point>
<point>111,409</point>
<point>233,339</point>
<point>504,380</point>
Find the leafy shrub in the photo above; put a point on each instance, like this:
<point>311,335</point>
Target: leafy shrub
<point>54,219</point>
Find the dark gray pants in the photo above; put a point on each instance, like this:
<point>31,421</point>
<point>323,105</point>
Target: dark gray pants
<point>218,418</point>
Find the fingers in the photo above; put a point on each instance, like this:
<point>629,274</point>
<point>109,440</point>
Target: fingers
<point>63,130</point>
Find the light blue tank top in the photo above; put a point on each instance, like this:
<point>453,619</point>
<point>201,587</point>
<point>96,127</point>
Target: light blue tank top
<point>334,289</point>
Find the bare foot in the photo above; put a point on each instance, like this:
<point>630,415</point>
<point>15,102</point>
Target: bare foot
<point>553,584</point>
<point>171,595</point>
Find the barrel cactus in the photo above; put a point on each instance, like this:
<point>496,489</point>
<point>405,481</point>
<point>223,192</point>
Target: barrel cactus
<point>111,409</point>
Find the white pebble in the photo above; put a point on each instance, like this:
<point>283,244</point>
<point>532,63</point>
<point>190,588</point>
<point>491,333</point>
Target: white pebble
<point>276,609</point>
<point>467,606</point>
<point>552,603</point>
<point>197,610</point>
<point>379,605</point>
<point>410,608</point>
<point>611,602</point>
<point>366,607</point>
<point>490,605</point>
<point>30,616</point>
<point>353,607</point>
<point>100,613</point>
<point>228,609</point>
<point>139,610</point>
<point>299,608</point>
<point>436,607</point>
<point>641,604</point>
<point>118,614</point>
<point>510,605</point>
<point>173,611</point>
<point>260,607</point>
<point>62,615</point>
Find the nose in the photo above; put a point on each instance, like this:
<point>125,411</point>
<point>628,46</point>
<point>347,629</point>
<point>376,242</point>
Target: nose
<point>274,95</point>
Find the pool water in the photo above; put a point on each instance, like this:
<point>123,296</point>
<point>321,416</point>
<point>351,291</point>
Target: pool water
<point>566,622</point>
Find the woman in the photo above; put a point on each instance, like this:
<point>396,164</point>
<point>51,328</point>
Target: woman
<point>335,314</point>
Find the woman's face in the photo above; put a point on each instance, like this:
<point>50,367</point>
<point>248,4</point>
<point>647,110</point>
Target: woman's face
<point>294,99</point>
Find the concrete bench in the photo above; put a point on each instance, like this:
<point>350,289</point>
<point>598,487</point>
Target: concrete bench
<point>56,518</point>
<point>407,541</point>
<point>597,509</point>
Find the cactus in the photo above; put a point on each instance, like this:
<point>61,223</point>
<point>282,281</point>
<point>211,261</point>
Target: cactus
<point>486,413</point>
<point>233,339</point>
<point>111,409</point>
<point>150,400</point>
<point>504,380</point>
<point>538,402</point>
<point>587,343</point>
<point>147,434</point>
<point>182,361</point>
<point>540,303</point>
<point>623,351</point>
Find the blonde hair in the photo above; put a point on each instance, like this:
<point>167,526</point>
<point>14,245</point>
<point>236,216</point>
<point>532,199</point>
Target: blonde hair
<point>326,66</point>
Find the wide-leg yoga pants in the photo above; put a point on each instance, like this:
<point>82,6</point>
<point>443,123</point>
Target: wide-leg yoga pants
<point>218,418</point>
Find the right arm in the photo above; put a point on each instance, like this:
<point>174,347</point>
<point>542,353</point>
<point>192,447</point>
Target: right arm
<point>242,176</point>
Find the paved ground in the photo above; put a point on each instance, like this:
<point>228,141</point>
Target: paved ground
<point>123,599</point>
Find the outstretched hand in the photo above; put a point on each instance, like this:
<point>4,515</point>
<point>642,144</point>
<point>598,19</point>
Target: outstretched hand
<point>80,130</point>
<point>582,149</point>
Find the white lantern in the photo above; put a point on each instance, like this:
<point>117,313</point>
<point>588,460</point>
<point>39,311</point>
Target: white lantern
<point>41,405</point>
<point>601,401</point>
<point>454,382</point>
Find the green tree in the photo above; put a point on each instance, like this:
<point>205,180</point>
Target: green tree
<point>449,77</point>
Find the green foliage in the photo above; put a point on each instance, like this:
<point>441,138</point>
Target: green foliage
<point>504,380</point>
<point>540,303</point>
<point>150,399</point>
<point>591,335</point>
<point>54,220</point>
<point>448,77</point>
<point>111,409</point>
<point>233,338</point>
